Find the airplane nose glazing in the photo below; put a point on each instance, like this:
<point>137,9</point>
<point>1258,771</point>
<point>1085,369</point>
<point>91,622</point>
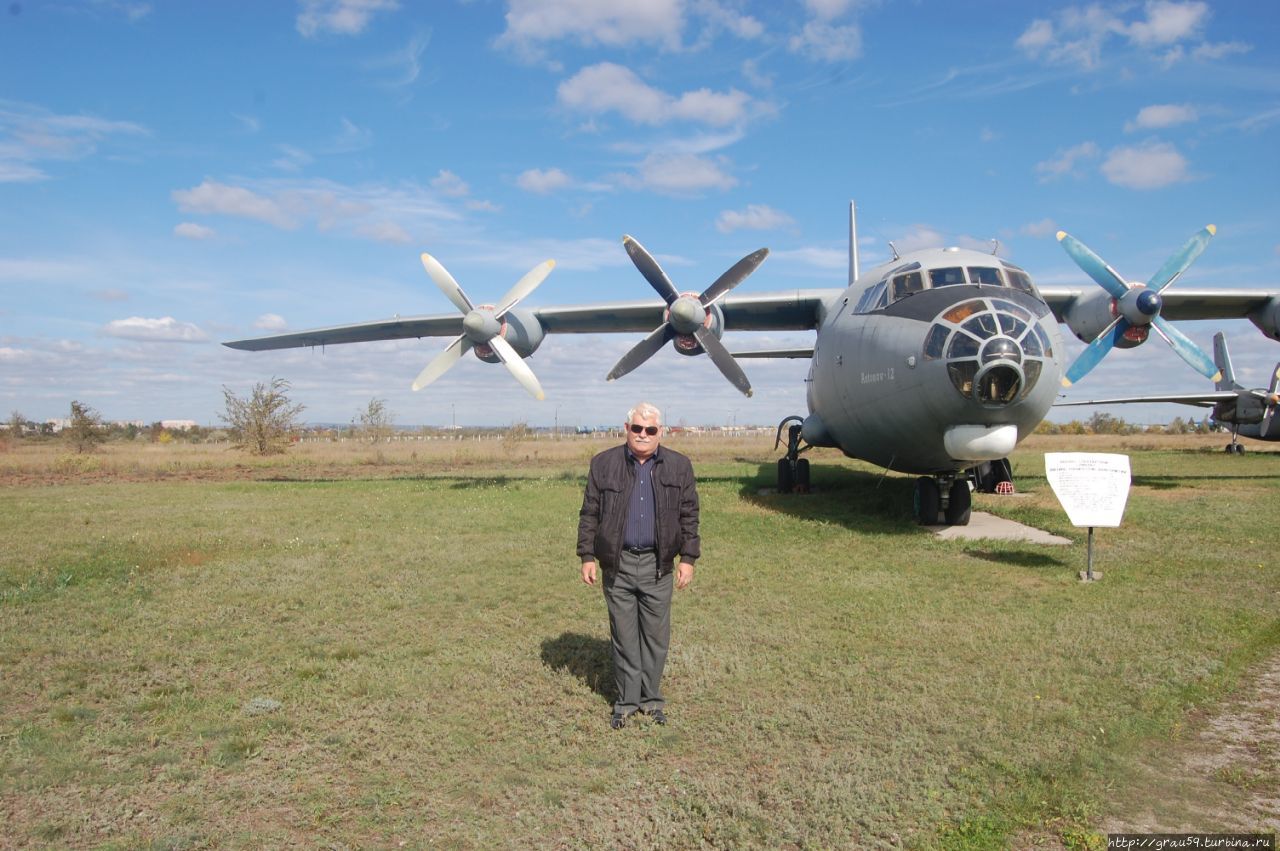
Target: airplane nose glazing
<point>994,350</point>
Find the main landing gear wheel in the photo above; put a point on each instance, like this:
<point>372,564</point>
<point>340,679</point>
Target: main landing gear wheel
<point>793,471</point>
<point>928,501</point>
<point>959,504</point>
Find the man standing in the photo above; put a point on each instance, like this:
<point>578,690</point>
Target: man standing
<point>639,514</point>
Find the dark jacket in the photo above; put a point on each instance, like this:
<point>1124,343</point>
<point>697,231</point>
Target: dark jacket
<point>604,508</point>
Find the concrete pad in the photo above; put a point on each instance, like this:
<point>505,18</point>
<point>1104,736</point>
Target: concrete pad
<point>984,525</point>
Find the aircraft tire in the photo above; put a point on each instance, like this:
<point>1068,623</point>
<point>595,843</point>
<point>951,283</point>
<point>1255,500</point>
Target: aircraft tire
<point>927,501</point>
<point>959,504</point>
<point>802,475</point>
<point>786,478</point>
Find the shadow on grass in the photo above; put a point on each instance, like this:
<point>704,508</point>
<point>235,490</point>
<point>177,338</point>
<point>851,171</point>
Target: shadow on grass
<point>1018,559</point>
<point>588,658</point>
<point>858,500</point>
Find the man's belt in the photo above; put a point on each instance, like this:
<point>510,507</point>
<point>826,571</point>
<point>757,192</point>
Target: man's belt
<point>640,551</point>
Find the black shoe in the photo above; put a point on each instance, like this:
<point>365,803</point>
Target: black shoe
<point>658,716</point>
<point>617,721</point>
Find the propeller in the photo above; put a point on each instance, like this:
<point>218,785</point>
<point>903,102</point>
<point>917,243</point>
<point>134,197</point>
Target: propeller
<point>687,316</point>
<point>482,326</point>
<point>1137,306</point>
<point>1273,401</point>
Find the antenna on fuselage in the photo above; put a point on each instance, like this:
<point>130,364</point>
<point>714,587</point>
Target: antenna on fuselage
<point>853,242</point>
<point>894,249</point>
<point>995,247</point>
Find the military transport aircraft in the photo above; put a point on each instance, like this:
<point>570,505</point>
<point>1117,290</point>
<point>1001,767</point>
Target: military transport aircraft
<point>931,363</point>
<point>1247,412</point>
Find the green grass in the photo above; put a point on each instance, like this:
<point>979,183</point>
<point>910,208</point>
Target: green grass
<point>838,678</point>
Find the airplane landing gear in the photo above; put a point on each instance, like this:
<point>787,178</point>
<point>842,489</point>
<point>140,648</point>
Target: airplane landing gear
<point>943,499</point>
<point>793,471</point>
<point>1235,446</point>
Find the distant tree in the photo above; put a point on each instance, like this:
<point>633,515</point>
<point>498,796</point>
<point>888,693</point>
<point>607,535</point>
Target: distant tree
<point>375,421</point>
<point>262,423</point>
<point>85,430</point>
<point>1102,423</point>
<point>17,424</point>
<point>514,434</point>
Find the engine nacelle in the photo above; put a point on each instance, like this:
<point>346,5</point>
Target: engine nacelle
<point>1089,315</point>
<point>687,344</point>
<point>1267,318</point>
<point>522,330</point>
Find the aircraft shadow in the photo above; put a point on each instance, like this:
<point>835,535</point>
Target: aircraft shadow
<point>858,500</point>
<point>1018,559</point>
<point>588,658</point>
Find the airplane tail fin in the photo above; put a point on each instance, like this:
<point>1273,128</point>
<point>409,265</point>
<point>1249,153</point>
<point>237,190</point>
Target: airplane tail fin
<point>1222,358</point>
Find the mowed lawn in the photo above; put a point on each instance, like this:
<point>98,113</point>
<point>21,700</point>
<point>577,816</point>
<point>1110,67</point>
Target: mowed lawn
<point>409,659</point>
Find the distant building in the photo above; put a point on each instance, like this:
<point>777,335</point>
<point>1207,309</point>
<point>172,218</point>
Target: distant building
<point>178,425</point>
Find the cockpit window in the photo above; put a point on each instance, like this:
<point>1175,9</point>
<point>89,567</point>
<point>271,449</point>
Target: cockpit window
<point>873,298</point>
<point>1018,279</point>
<point>947,276</point>
<point>984,275</point>
<point>905,285</point>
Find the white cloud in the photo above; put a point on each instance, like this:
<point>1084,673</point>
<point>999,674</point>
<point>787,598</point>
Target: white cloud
<point>270,322</point>
<point>30,136</point>
<point>163,330</point>
<point>531,23</point>
<point>681,174</point>
<point>28,271</point>
<point>754,217</point>
<point>827,42</point>
<point>1044,227</point>
<point>449,184</point>
<point>1161,115</point>
<point>191,230</point>
<point>384,232</point>
<point>1065,161</point>
<point>110,295</point>
<point>222,199</point>
<point>542,181</point>
<point>1077,35</point>
<point>1152,165</point>
<point>607,87</point>
<point>340,17</point>
<point>819,258</point>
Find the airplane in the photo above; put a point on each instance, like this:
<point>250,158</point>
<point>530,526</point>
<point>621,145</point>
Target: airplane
<point>1248,412</point>
<point>931,363</point>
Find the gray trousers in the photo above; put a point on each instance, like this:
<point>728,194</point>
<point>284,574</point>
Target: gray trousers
<point>640,630</point>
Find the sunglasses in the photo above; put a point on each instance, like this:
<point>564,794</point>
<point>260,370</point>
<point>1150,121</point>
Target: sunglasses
<point>649,430</point>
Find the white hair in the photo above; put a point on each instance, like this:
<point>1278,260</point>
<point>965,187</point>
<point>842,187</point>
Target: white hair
<point>646,412</point>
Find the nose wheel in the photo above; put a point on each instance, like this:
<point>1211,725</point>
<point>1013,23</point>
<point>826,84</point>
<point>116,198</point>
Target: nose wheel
<point>793,471</point>
<point>943,499</point>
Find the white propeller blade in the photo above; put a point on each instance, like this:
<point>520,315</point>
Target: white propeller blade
<point>524,286</point>
<point>517,367</point>
<point>446,283</point>
<point>441,363</point>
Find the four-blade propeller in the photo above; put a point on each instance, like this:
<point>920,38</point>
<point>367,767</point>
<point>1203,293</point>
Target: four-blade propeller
<point>1273,401</point>
<point>687,315</point>
<point>1137,307</point>
<point>482,326</point>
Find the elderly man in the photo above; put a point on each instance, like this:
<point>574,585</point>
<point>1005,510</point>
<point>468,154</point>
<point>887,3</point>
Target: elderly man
<point>639,514</point>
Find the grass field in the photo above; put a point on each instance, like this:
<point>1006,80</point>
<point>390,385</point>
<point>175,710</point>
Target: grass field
<point>356,646</point>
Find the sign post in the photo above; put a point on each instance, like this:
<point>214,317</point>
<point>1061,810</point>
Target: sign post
<point>1093,488</point>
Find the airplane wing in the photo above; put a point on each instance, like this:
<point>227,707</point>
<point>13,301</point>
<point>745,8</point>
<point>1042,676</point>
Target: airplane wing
<point>796,310</point>
<point>1203,400</point>
<point>1178,303</point>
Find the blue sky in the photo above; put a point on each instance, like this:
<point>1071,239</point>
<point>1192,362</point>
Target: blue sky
<point>173,175</point>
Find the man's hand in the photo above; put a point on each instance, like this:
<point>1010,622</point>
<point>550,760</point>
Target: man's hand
<point>589,572</point>
<point>684,574</point>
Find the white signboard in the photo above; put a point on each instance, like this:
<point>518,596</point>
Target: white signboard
<point>1092,486</point>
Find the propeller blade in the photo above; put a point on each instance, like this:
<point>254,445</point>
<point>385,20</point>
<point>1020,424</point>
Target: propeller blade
<point>736,275</point>
<point>446,283</point>
<point>1181,259</point>
<point>517,367</point>
<point>651,270</point>
<point>1093,265</point>
<point>642,351</point>
<point>524,286</point>
<point>1187,350</point>
<point>441,363</point>
<point>723,360</point>
<point>1095,351</point>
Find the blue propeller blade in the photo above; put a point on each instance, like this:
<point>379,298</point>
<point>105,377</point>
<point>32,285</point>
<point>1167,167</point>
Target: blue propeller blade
<point>1093,265</point>
<point>1187,350</point>
<point>1181,259</point>
<point>1095,351</point>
